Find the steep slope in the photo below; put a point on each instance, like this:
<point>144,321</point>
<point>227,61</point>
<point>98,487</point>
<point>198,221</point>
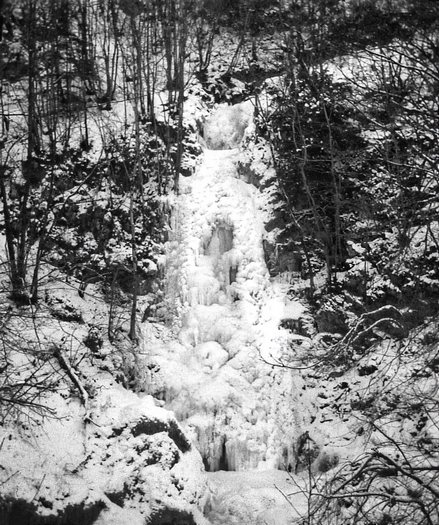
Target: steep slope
<point>87,450</point>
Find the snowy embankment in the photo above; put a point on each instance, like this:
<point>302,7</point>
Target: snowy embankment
<point>119,460</point>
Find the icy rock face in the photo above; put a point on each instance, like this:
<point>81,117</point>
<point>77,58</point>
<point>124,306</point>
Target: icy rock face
<point>225,318</point>
<point>225,128</point>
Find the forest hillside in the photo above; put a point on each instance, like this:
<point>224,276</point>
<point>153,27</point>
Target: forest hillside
<point>219,262</point>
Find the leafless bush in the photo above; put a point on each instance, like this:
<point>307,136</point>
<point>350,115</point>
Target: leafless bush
<point>396,478</point>
<point>28,372</point>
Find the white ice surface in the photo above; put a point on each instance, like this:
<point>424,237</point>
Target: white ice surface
<point>216,373</point>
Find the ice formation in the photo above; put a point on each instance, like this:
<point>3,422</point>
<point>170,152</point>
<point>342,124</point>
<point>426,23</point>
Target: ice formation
<point>225,128</point>
<point>215,372</point>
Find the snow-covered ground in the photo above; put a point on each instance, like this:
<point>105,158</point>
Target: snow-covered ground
<point>115,455</point>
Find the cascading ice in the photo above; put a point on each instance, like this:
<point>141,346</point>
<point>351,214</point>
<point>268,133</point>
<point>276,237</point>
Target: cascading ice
<point>227,397</point>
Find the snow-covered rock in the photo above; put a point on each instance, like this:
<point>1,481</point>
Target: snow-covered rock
<point>130,462</point>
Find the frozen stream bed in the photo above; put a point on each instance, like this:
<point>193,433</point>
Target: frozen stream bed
<point>239,498</point>
<point>212,365</point>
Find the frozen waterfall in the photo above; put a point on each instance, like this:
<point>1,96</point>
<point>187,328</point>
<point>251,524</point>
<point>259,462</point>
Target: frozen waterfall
<point>225,313</point>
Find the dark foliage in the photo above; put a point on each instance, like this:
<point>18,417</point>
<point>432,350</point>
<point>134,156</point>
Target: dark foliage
<point>169,516</point>
<point>21,512</point>
<point>150,426</point>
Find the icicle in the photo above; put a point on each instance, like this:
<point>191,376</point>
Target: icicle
<point>201,289</point>
<point>221,241</point>
<point>194,246</point>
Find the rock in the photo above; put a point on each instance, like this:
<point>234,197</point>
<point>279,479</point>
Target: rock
<point>294,325</point>
<point>281,258</point>
<point>306,451</point>
<point>154,426</point>
<point>289,261</point>
<point>367,370</point>
<point>20,511</point>
<point>248,175</point>
<point>64,310</point>
<point>169,516</point>
<point>330,317</point>
<point>326,461</point>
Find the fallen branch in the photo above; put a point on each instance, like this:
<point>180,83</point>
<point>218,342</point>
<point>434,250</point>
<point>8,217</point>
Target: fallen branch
<point>63,361</point>
<point>11,476</point>
<point>389,314</point>
<point>287,499</point>
<point>39,487</point>
<point>376,324</point>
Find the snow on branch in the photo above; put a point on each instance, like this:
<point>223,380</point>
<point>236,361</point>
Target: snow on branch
<point>71,372</point>
<point>387,314</point>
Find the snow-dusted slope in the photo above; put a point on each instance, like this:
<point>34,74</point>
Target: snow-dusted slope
<point>121,459</point>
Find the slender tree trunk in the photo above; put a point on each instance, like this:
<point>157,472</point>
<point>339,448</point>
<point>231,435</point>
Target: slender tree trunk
<point>16,282</point>
<point>136,186</point>
<point>138,60</point>
<point>180,99</point>
<point>86,72</point>
<point>111,312</point>
<point>133,319</point>
<point>22,245</point>
<point>45,231</point>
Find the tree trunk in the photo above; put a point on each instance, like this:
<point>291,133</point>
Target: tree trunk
<point>133,319</point>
